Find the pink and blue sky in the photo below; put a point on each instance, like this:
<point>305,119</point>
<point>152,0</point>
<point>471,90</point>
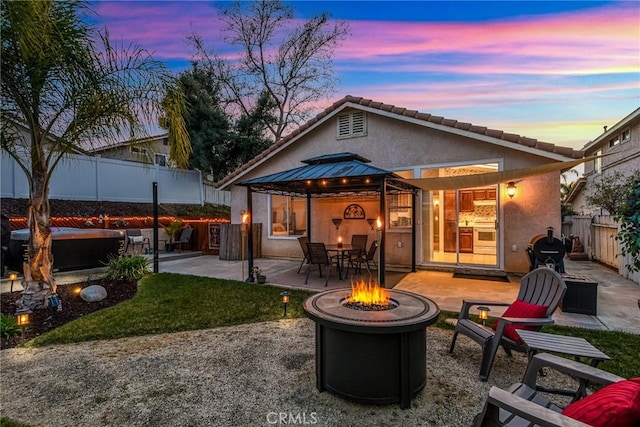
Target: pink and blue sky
<point>551,70</point>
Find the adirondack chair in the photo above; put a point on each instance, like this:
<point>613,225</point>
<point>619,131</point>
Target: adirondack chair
<point>541,291</point>
<point>318,256</point>
<point>522,405</point>
<point>305,251</point>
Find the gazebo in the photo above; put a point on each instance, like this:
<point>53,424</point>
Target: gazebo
<point>333,175</point>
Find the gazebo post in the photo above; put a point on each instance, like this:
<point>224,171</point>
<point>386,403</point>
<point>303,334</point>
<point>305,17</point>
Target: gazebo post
<point>309,215</point>
<point>381,243</point>
<point>414,200</point>
<point>250,277</point>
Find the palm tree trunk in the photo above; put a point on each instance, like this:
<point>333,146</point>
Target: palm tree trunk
<point>38,282</point>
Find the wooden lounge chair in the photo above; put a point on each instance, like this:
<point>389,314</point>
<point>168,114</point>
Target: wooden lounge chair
<point>305,251</point>
<point>522,405</point>
<point>318,256</point>
<point>542,287</point>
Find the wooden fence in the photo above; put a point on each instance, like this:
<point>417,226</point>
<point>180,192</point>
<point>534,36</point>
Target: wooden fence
<point>598,236</point>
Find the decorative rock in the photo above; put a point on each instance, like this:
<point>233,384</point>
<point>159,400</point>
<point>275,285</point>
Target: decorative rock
<point>93,293</point>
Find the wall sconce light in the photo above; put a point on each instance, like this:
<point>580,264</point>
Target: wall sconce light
<point>511,189</point>
<point>371,221</point>
<point>285,301</point>
<point>337,222</point>
<point>483,314</point>
<point>12,277</point>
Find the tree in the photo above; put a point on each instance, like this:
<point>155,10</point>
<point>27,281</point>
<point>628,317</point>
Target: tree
<point>289,62</point>
<point>220,146</point>
<point>629,218</point>
<point>69,86</point>
<point>609,192</point>
<point>208,126</point>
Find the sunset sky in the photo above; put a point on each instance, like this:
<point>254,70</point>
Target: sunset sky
<point>555,71</point>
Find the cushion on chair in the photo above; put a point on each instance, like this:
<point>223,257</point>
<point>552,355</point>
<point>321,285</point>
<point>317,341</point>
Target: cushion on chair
<point>616,405</point>
<point>521,309</point>
<point>136,239</point>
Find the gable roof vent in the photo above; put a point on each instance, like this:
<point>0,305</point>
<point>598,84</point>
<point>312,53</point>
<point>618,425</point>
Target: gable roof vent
<point>352,124</point>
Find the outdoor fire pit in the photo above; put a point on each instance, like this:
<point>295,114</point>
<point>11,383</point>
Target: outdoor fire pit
<point>371,352</point>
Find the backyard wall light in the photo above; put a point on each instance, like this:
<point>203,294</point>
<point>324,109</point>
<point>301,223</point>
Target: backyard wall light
<point>285,301</point>
<point>511,189</point>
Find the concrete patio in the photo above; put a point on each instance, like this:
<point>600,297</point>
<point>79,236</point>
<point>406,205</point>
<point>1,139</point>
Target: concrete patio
<point>617,297</point>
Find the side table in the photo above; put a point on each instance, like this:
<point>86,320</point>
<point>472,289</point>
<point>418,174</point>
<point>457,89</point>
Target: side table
<point>572,346</point>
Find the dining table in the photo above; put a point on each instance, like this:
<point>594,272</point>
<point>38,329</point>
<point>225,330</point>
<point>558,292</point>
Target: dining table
<point>342,252</point>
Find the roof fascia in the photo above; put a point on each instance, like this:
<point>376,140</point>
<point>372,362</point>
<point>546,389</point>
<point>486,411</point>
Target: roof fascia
<point>615,128</point>
<point>279,148</point>
<point>461,132</point>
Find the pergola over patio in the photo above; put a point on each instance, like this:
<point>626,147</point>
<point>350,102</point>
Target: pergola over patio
<point>334,175</point>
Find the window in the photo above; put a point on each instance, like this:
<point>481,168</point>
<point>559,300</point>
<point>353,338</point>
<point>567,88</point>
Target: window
<point>165,141</point>
<point>288,216</point>
<point>614,141</point>
<point>161,159</point>
<point>625,135</point>
<point>597,163</point>
<point>400,211</point>
<point>352,124</point>
<point>138,150</point>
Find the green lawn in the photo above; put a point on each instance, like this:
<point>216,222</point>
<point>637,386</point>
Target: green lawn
<point>174,302</point>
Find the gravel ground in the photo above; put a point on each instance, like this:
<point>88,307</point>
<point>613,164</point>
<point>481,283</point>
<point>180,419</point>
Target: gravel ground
<point>247,375</point>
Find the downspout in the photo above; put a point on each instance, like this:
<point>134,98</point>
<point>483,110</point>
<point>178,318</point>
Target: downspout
<point>309,215</point>
<point>414,200</point>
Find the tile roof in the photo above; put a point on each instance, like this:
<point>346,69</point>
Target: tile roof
<point>414,114</point>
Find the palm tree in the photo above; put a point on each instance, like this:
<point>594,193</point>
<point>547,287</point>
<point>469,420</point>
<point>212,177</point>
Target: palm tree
<point>69,86</point>
<point>565,185</point>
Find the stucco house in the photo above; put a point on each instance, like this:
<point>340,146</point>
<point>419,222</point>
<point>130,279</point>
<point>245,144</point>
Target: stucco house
<point>479,226</point>
<point>153,150</point>
<point>619,146</point>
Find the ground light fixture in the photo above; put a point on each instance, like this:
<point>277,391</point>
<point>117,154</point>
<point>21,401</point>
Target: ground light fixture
<point>511,189</point>
<point>284,296</point>
<point>13,277</point>
<point>483,314</point>
<point>23,319</point>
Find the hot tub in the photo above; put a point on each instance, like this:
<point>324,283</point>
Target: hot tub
<point>72,248</point>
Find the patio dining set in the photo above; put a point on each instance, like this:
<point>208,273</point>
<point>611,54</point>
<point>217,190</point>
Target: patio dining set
<point>343,255</point>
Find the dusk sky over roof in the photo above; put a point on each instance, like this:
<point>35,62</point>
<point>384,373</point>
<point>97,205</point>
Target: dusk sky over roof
<point>555,71</point>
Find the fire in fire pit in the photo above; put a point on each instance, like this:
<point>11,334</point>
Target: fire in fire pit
<point>369,296</point>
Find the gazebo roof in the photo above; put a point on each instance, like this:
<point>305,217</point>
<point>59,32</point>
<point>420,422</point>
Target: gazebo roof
<point>339,174</point>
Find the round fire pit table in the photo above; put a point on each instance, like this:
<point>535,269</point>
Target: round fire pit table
<point>371,356</point>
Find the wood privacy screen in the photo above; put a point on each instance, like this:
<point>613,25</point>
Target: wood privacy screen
<point>231,242</point>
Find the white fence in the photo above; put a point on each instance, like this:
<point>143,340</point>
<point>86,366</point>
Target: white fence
<point>598,235</point>
<point>95,178</point>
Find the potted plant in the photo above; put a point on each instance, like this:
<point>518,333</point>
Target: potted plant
<point>257,273</point>
<point>171,230</point>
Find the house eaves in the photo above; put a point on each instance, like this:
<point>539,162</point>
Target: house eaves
<point>576,189</point>
<point>99,147</point>
<point>492,136</point>
<point>604,138</point>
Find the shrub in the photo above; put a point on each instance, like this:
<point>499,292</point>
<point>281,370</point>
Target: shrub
<point>128,267</point>
<point>8,326</point>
